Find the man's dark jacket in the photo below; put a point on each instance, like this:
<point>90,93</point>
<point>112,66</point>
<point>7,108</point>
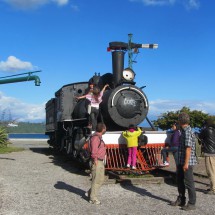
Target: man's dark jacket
<point>207,136</point>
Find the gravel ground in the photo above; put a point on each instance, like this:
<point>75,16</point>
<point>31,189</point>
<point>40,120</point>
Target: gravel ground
<point>35,182</point>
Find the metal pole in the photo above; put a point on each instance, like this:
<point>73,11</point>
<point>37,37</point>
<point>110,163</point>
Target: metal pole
<point>152,126</point>
<point>130,54</point>
<point>21,79</point>
<point>30,77</point>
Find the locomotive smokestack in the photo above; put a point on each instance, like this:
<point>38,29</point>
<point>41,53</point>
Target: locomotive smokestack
<point>118,66</point>
<point>118,51</point>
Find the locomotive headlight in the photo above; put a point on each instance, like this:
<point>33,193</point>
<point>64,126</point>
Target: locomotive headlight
<point>128,74</point>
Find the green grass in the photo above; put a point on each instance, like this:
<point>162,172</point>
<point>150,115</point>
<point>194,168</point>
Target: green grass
<point>9,149</point>
<point>139,175</point>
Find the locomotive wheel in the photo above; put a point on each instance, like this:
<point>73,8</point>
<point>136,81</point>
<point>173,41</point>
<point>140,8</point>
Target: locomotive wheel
<point>56,147</point>
<point>69,147</point>
<point>74,153</point>
<point>62,145</point>
<point>51,140</point>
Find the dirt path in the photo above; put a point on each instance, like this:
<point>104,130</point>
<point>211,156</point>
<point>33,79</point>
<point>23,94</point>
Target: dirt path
<point>38,183</point>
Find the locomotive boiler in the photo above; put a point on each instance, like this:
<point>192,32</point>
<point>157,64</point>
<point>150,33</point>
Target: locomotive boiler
<point>123,103</point>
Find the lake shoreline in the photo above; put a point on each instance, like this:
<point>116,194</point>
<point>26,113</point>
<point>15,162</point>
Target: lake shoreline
<point>31,136</point>
<point>26,139</point>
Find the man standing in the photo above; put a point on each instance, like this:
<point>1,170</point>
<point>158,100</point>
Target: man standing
<point>98,152</point>
<point>207,137</point>
<point>187,160</point>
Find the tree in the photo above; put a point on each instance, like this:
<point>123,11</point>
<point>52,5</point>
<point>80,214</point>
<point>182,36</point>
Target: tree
<point>3,137</point>
<point>197,118</point>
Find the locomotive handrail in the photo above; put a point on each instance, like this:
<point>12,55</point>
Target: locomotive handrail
<point>124,88</point>
<point>74,120</point>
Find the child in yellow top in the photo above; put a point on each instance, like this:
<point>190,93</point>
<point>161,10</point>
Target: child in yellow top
<point>131,135</point>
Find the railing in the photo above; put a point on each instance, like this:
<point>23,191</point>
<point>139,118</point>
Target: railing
<point>148,157</point>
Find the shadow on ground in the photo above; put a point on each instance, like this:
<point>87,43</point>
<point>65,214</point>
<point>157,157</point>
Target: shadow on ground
<point>143,192</point>
<point>61,159</point>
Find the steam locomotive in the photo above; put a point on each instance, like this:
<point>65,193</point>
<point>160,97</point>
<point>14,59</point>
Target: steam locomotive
<point>123,103</point>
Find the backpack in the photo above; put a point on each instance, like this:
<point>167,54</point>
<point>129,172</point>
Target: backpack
<point>86,151</point>
<point>142,140</point>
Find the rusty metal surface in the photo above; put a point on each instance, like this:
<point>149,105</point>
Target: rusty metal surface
<point>148,157</point>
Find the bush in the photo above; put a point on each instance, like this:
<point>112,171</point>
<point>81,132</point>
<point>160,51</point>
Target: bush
<point>3,137</point>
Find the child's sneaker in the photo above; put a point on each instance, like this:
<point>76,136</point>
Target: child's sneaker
<point>166,163</point>
<point>133,167</point>
<point>95,202</point>
<point>128,166</point>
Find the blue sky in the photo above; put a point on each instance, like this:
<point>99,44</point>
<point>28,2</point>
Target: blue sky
<point>67,40</point>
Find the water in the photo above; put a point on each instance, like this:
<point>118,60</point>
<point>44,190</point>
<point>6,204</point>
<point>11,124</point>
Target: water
<point>27,136</point>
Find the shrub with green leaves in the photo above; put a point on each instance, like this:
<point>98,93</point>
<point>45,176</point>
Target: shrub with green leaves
<point>3,137</point>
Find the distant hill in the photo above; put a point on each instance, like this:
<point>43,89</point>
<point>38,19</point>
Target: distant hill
<point>27,127</point>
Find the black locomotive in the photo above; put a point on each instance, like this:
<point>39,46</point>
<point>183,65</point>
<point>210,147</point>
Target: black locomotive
<point>123,103</point>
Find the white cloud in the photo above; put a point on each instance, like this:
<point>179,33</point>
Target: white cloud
<point>25,112</point>
<point>188,4</point>
<point>30,4</point>
<point>157,107</point>
<point>13,64</point>
<point>75,7</point>
<point>17,110</point>
<point>156,2</point>
<point>61,2</point>
<point>192,4</point>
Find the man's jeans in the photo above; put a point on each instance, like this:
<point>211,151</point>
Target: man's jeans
<point>185,181</point>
